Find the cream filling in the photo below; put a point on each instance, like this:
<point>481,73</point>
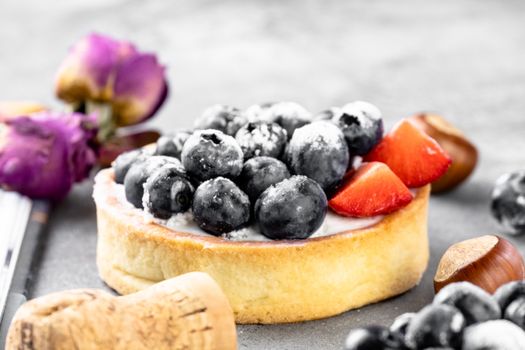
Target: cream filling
<point>184,222</point>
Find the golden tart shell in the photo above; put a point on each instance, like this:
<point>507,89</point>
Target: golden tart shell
<point>270,281</point>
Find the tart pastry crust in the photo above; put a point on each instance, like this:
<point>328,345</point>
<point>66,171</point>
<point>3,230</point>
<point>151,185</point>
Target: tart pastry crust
<point>267,282</point>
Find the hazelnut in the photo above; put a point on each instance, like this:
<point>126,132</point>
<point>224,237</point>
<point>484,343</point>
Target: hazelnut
<point>487,261</point>
<point>463,153</point>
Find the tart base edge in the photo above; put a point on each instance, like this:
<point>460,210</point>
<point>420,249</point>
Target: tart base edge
<point>268,282</point>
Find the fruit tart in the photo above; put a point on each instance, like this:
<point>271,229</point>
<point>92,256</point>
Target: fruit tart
<point>297,217</point>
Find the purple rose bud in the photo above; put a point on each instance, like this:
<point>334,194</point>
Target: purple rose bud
<point>88,70</point>
<point>41,156</point>
<point>140,89</point>
<point>101,69</point>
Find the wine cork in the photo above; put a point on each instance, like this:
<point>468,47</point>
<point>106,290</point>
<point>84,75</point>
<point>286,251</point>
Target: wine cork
<point>185,312</point>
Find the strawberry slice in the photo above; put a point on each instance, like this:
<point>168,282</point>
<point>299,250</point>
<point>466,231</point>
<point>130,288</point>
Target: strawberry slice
<point>373,190</point>
<point>413,155</point>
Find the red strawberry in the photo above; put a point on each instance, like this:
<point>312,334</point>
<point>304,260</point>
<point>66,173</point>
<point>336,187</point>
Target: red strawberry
<point>413,155</point>
<point>373,190</point>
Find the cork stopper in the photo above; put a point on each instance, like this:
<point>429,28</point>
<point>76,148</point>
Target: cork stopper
<point>185,312</point>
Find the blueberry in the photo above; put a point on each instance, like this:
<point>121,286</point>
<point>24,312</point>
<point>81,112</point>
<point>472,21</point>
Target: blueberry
<point>138,174</point>
<point>167,191</point>
<point>475,304</point>
<point>319,151</point>
<point>362,126</point>
<point>261,139</point>
<point>372,338</point>
<point>124,161</point>
<point>291,209</point>
<point>515,312</point>
<point>171,145</point>
<point>328,114</point>
<point>221,117</point>
<point>508,201</point>
<point>508,292</point>
<point>259,173</point>
<point>255,112</point>
<point>493,335</point>
<point>434,326</point>
<point>211,153</point>
<point>219,206</point>
<point>289,115</point>
<point>400,324</point>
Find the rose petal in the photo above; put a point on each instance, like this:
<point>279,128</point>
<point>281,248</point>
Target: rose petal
<point>41,156</point>
<point>140,89</point>
<point>88,70</point>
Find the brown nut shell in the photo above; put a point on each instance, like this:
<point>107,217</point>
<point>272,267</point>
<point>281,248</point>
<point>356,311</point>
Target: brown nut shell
<point>487,261</point>
<point>463,153</point>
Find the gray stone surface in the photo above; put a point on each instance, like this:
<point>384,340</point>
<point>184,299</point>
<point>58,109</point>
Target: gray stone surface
<point>462,58</point>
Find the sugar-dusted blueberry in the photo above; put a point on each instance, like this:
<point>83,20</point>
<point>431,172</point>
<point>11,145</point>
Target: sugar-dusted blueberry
<point>493,335</point>
<point>259,173</point>
<point>167,191</point>
<point>373,338</point>
<point>138,174</point>
<point>400,324</point>
<point>221,117</point>
<point>219,206</point>
<point>362,126</point>
<point>319,151</point>
<point>211,153</point>
<point>366,107</point>
<point>436,325</point>
<point>285,156</point>
<point>509,292</point>
<point>171,144</point>
<point>255,112</point>
<point>515,312</point>
<point>475,303</point>
<point>291,209</point>
<point>328,114</point>
<point>508,201</point>
<point>124,161</point>
<point>261,139</point>
<point>289,115</point>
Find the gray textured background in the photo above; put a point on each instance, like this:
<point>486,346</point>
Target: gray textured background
<point>462,58</point>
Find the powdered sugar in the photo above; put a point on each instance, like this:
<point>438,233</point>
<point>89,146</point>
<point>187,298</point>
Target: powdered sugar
<point>261,139</point>
<point>358,107</point>
<point>319,151</point>
<point>254,112</point>
<point>145,200</point>
<point>210,153</point>
<point>288,109</point>
<point>317,135</point>
<point>225,118</point>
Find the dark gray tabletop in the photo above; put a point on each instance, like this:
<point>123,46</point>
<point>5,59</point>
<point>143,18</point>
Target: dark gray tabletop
<point>462,58</point>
